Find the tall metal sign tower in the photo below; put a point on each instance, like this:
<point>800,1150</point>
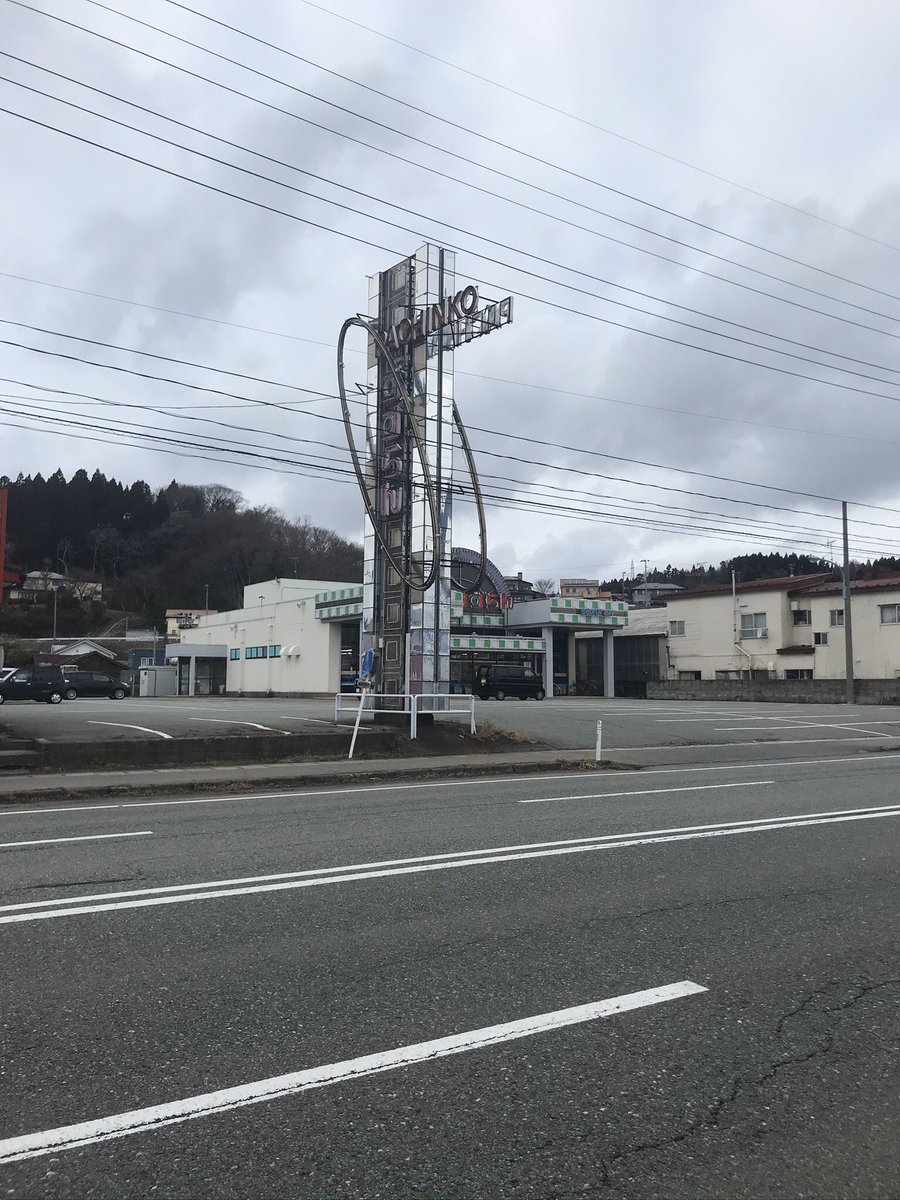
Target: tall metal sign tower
<point>416,320</point>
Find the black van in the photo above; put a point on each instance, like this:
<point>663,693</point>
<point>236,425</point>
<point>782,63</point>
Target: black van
<point>34,683</point>
<point>501,680</point>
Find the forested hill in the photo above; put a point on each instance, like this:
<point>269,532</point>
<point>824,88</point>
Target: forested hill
<point>159,549</point>
<point>747,567</point>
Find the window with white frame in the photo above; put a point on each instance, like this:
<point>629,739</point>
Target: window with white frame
<point>836,616</point>
<point>753,625</point>
<point>890,614</point>
<point>820,639</point>
<point>803,616</point>
<point>676,628</point>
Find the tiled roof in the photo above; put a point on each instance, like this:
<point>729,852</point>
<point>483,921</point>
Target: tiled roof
<point>787,583</point>
<point>834,587</point>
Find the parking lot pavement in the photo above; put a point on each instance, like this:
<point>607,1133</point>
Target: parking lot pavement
<point>629,724</point>
<point>566,723</point>
<point>135,718</point>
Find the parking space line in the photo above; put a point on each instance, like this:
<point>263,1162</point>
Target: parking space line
<point>229,721</point>
<point>141,728</point>
<point>142,1120</point>
<point>90,837</point>
<point>312,720</point>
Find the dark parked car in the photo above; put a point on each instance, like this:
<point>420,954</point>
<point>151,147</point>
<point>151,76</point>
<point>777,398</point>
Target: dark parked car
<point>92,683</point>
<point>33,683</point>
<point>500,681</point>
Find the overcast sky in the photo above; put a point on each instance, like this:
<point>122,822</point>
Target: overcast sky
<point>795,104</point>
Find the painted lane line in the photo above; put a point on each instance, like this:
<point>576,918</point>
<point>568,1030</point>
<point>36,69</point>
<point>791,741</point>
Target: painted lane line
<point>311,872</point>
<point>806,725</point>
<point>699,787</point>
<point>725,745</point>
<point>426,867</point>
<point>141,728</point>
<point>142,1120</point>
<point>228,721</point>
<point>365,786</point>
<point>90,837</point>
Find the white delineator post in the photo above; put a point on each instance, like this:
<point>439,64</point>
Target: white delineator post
<point>599,740</point>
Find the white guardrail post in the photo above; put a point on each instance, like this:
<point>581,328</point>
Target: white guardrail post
<point>362,704</point>
<point>413,718</point>
<point>599,740</point>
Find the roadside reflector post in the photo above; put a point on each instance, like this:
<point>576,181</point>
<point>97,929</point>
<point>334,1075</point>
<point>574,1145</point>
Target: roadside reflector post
<point>599,740</point>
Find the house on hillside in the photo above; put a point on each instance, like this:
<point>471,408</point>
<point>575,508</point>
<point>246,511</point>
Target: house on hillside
<point>37,585</point>
<point>180,619</point>
<point>646,594</point>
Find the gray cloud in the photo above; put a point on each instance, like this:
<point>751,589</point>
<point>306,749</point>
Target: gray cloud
<point>796,101</point>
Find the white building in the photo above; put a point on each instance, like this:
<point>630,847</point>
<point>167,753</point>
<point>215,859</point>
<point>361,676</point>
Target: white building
<point>275,643</point>
<point>302,637</point>
<point>789,628</point>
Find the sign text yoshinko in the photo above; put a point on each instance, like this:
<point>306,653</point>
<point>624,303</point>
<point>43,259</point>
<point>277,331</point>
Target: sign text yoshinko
<point>460,312</point>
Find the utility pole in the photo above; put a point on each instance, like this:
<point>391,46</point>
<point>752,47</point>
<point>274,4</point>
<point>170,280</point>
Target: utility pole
<point>55,593</point>
<point>848,623</point>
<point>206,597</point>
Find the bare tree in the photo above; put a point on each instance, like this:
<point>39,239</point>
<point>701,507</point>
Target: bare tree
<point>547,586</point>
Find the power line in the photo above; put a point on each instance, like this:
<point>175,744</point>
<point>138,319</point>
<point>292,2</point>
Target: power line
<point>508,457</point>
<point>444,224</point>
<point>518,383</point>
<point>321,416</point>
<point>534,489</point>
<point>601,128</point>
<point>491,141</point>
<point>525,295</point>
<point>455,178</point>
<point>494,501</point>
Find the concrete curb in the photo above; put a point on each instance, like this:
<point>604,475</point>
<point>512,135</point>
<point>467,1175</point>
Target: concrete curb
<point>26,790</point>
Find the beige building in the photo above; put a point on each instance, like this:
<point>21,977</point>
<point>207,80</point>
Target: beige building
<point>180,619</point>
<point>583,589</point>
<point>789,628</point>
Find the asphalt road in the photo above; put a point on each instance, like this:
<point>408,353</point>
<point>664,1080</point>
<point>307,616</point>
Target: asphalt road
<point>566,722</point>
<point>748,1045</point>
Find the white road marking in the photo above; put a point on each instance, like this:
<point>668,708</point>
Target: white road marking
<point>230,721</point>
<point>700,787</point>
<point>480,782</point>
<point>142,1120</point>
<point>142,728</point>
<point>91,837</point>
<point>725,745</point>
<point>311,720</point>
<point>803,725</point>
<point>320,876</point>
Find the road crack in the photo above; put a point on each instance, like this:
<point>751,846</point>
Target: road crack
<point>740,1085</point>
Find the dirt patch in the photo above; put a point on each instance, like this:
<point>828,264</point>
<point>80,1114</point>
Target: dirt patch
<point>453,737</point>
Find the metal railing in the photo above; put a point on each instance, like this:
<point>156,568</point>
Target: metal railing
<point>434,703</point>
<point>442,704</point>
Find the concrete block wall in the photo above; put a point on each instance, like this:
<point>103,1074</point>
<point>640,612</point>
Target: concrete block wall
<point>768,691</point>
